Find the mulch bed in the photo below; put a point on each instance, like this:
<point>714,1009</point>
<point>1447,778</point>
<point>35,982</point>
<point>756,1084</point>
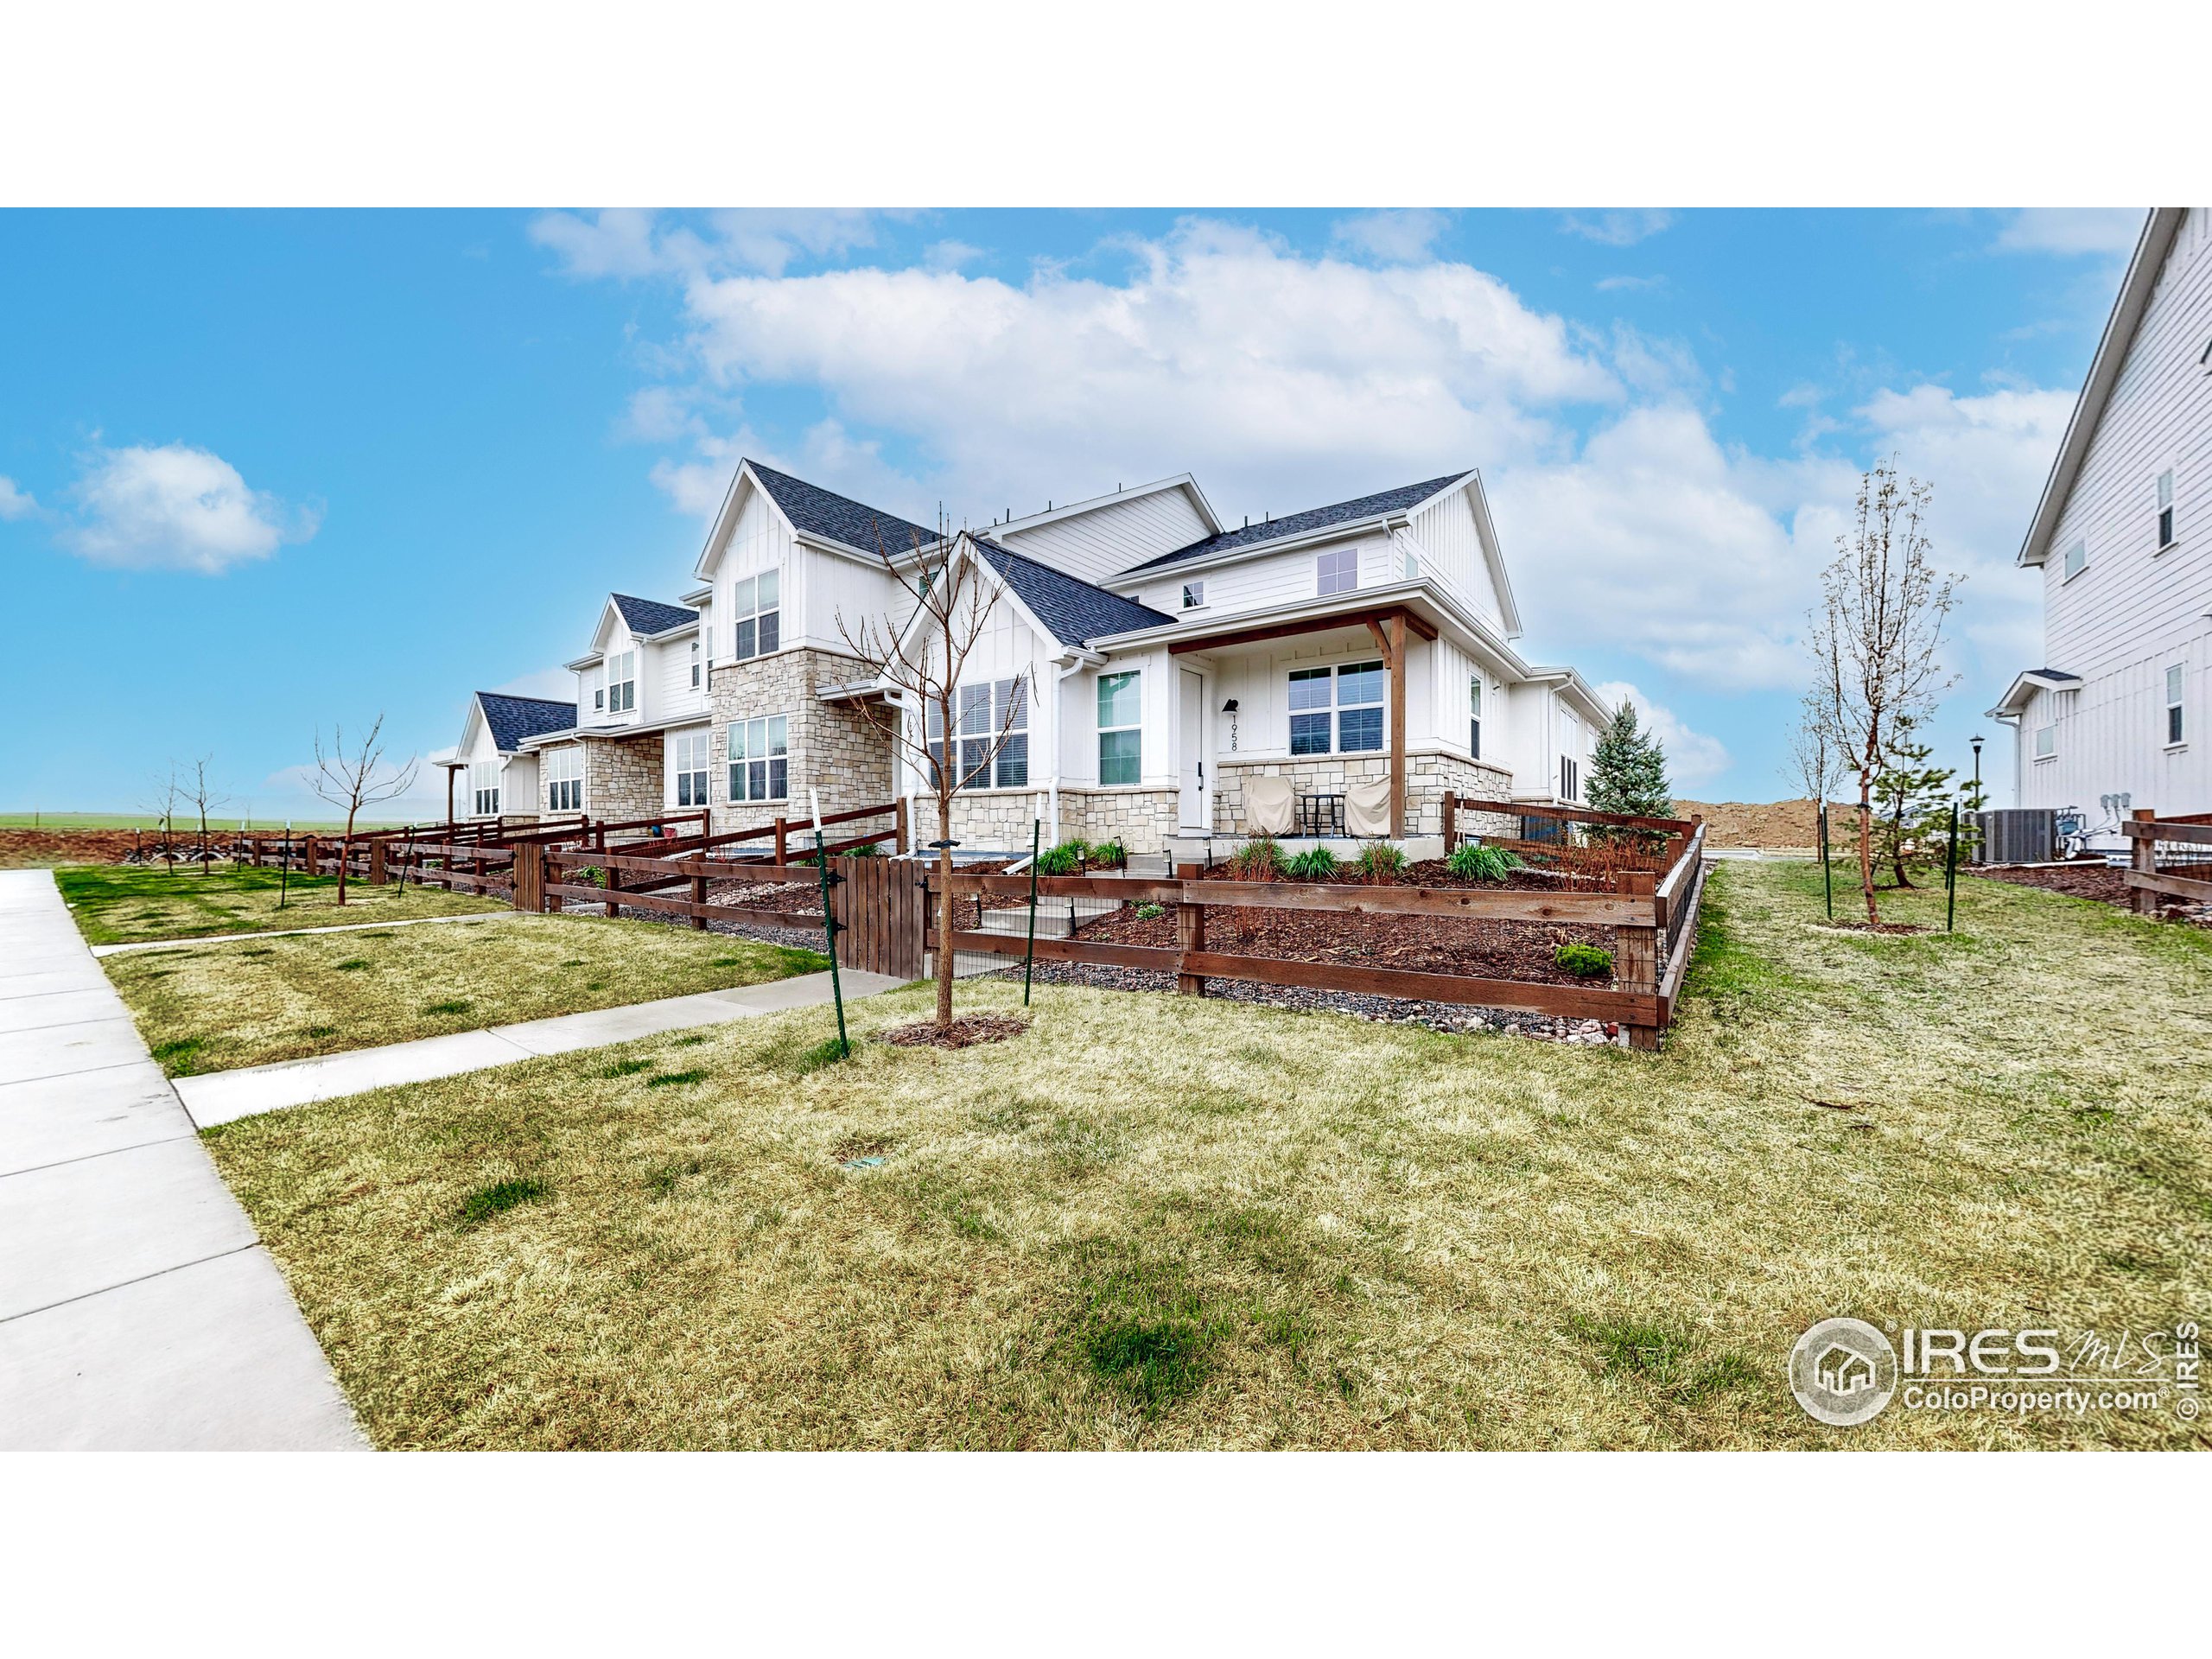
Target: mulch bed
<point>2095,879</point>
<point>966,1031</point>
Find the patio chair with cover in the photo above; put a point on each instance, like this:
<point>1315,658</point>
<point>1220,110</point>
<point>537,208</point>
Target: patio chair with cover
<point>1270,808</point>
<point>1367,808</point>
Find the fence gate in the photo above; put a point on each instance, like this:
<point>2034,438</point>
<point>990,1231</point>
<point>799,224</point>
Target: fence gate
<point>880,905</point>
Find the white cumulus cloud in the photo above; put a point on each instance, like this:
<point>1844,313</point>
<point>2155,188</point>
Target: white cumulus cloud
<point>2072,230</point>
<point>14,502</point>
<point>176,507</point>
<point>1617,227</point>
<point>1401,234</point>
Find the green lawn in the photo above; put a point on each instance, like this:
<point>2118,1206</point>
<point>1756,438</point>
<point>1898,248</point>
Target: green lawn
<point>219,1005</point>
<point>122,904</point>
<point>1166,1222</point>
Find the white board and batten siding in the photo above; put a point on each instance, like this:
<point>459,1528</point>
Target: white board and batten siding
<point>2133,611</point>
<point>1100,543</point>
<point>1452,552</point>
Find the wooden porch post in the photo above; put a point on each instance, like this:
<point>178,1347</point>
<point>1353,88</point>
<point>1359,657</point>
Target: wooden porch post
<point>449,770</point>
<point>1392,643</point>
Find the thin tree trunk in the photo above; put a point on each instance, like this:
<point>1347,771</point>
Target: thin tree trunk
<point>944,919</point>
<point>344,854</point>
<point>1866,844</point>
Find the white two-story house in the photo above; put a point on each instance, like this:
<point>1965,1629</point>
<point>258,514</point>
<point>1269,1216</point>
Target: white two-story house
<point>2123,540</point>
<point>1145,659</point>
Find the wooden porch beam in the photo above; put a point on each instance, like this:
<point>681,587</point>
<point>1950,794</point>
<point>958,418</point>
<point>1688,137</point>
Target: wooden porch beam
<point>1291,629</point>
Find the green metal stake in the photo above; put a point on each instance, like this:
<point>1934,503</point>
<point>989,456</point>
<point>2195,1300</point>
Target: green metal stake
<point>1827,876</point>
<point>284,872</point>
<point>830,930</point>
<point>1951,873</point>
<point>1029,961</point>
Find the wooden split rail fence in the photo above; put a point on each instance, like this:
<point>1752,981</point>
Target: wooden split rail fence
<point>2159,849</point>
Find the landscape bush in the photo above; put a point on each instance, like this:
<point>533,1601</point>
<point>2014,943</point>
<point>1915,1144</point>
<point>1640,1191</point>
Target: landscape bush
<point>1585,961</point>
<point>1314,864</point>
<point>1482,863</point>
<point>1380,863</point>
<point>1258,859</point>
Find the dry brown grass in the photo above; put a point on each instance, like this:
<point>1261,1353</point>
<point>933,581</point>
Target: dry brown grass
<point>217,1006</point>
<point>1163,1222</point>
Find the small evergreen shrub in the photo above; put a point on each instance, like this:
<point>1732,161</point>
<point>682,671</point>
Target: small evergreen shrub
<point>1380,863</point>
<point>1584,961</point>
<point>1314,864</point>
<point>1482,863</point>
<point>1258,859</point>
<point>1149,912</point>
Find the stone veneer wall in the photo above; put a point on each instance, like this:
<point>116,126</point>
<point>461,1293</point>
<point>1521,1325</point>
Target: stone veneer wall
<point>1430,775</point>
<point>1142,819</point>
<point>834,748</point>
<point>622,777</point>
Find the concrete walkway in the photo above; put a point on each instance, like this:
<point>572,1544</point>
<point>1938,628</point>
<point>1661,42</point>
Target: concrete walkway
<point>221,1096</point>
<point>137,1309</point>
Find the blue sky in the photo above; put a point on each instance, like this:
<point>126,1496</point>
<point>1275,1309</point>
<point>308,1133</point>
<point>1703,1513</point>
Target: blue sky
<point>264,471</point>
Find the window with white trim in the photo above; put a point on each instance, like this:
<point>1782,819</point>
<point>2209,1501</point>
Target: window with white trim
<point>483,787</point>
<point>1570,778</point>
<point>2046,742</point>
<point>1474,718</point>
<point>2174,678</point>
<point>1120,728</point>
<point>564,779</point>
<point>756,615</point>
<point>994,713</point>
<point>2077,556</point>
<point>759,766</point>
<point>2165,509</point>
<point>691,751</point>
<point>1337,710</point>
<point>694,662</point>
<point>621,677</point>
<point>1337,572</point>
<point>1194,594</point>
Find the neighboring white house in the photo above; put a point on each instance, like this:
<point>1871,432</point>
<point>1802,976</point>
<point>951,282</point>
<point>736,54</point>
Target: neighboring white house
<point>1146,658</point>
<point>2124,540</point>
<point>492,771</point>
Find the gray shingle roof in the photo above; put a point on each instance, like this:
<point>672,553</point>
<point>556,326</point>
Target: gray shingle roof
<point>2054,674</point>
<point>1073,609</point>
<point>1304,523</point>
<point>820,512</point>
<point>650,615</point>
<point>513,719</point>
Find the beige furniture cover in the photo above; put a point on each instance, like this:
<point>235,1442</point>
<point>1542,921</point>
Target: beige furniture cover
<point>1367,808</point>
<point>1270,808</point>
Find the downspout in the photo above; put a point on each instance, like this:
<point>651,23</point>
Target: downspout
<point>1076,662</point>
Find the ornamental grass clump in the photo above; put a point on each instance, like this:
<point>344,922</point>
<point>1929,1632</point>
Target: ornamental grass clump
<point>1380,863</point>
<point>1063,859</point>
<point>1258,859</point>
<point>1482,863</point>
<point>1314,864</point>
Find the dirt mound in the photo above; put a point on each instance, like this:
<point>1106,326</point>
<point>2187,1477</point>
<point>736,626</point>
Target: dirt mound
<point>29,849</point>
<point>1760,823</point>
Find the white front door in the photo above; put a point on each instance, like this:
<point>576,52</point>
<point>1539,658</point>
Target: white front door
<point>1198,786</point>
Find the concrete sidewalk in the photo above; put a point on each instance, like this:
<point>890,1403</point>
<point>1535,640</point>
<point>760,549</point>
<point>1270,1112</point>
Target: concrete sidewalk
<point>137,1309</point>
<point>219,1097</point>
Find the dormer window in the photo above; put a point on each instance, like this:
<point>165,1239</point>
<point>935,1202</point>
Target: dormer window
<point>1337,572</point>
<point>756,606</point>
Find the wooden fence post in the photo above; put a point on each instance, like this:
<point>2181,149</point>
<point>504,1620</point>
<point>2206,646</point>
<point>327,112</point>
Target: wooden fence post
<point>376,862</point>
<point>1190,936</point>
<point>899,817</point>
<point>1636,951</point>
<point>2143,857</point>
<point>779,843</point>
<point>1451,823</point>
<point>699,894</point>
<point>308,850</point>
<point>530,876</point>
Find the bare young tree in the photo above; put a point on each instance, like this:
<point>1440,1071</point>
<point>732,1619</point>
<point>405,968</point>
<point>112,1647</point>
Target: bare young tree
<point>1813,763</point>
<point>1876,638</point>
<point>355,779</point>
<point>164,791</point>
<point>198,793</point>
<point>921,658</point>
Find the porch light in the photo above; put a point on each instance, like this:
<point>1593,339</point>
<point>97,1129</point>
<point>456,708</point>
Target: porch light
<point>1230,708</point>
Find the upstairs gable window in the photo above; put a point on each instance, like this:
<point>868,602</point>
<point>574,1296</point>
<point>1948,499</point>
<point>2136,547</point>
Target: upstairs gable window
<point>2165,510</point>
<point>756,607</point>
<point>694,662</point>
<point>484,786</point>
<point>1337,572</point>
<point>1194,595</point>
<point>2046,742</point>
<point>621,680</point>
<point>2078,557</point>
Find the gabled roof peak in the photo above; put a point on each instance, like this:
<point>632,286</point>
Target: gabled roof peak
<point>1403,499</point>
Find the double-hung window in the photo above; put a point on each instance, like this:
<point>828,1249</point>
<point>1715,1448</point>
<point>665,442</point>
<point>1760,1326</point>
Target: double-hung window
<point>1337,572</point>
<point>1474,718</point>
<point>2165,510</point>
<point>564,780</point>
<point>759,765</point>
<point>622,681</point>
<point>1337,710</point>
<point>1570,778</point>
<point>756,607</point>
<point>691,751</point>
<point>1121,733</point>
<point>484,785</point>
<point>2175,730</point>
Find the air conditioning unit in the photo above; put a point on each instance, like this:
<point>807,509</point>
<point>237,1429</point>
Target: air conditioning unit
<point>2018,835</point>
